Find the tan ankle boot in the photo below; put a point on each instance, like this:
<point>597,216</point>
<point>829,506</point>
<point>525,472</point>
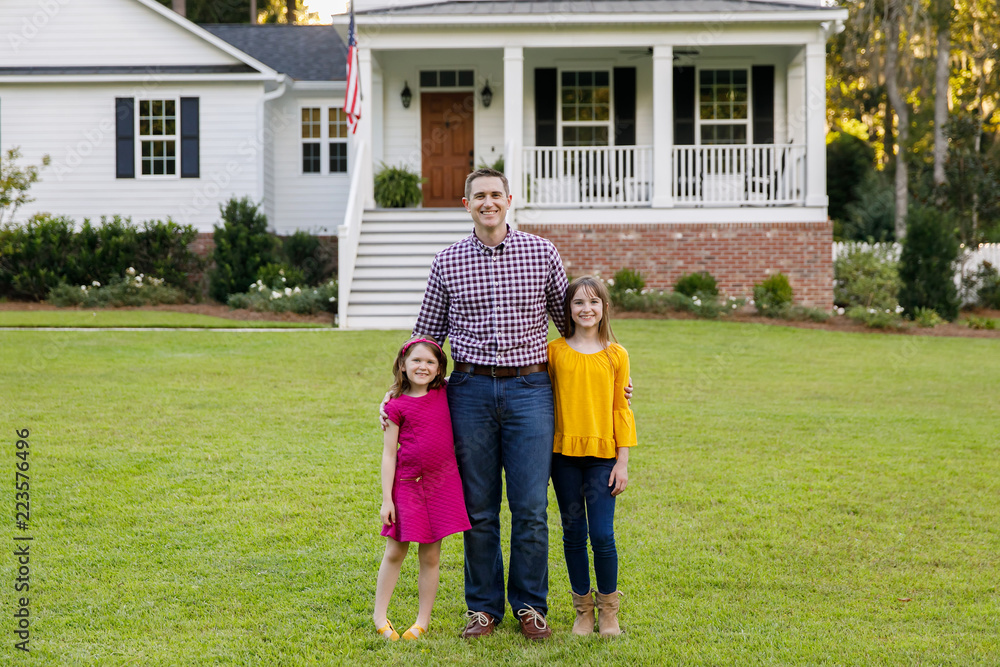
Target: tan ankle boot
<point>584,605</point>
<point>607,614</point>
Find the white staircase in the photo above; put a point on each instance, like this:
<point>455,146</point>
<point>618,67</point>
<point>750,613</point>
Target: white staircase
<point>395,250</point>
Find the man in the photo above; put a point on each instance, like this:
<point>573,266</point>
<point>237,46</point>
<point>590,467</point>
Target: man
<point>490,293</point>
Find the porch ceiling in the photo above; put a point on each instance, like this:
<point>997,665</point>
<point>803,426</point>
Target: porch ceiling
<point>575,8</point>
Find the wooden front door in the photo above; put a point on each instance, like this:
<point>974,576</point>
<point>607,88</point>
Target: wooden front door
<point>446,133</point>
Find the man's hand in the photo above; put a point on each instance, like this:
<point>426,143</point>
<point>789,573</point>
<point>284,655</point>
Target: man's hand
<point>388,513</point>
<point>383,418</point>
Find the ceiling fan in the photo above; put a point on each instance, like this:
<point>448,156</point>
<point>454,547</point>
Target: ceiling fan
<point>680,52</point>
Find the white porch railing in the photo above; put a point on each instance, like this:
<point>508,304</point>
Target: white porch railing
<point>349,233</point>
<point>752,174</point>
<point>590,176</point>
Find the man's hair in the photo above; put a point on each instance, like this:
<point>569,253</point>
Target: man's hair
<point>485,171</point>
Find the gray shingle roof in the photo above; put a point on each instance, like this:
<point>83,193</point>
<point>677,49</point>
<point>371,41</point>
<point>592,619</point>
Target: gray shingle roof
<point>462,7</point>
<point>303,52</point>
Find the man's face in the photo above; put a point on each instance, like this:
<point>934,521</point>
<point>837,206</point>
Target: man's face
<point>487,202</point>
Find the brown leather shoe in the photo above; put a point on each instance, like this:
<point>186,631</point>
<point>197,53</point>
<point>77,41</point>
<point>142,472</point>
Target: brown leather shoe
<point>533,624</point>
<point>480,624</point>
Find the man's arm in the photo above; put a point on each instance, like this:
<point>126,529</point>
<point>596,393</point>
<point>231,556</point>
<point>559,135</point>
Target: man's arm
<point>433,317</point>
<point>555,292</point>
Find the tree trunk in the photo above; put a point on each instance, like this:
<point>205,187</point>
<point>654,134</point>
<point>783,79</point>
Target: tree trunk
<point>902,114</point>
<point>941,95</point>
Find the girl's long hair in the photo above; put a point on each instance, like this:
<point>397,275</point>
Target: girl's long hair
<point>596,287</point>
<point>401,383</point>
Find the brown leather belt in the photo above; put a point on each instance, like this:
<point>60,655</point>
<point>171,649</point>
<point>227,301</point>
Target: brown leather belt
<point>500,371</point>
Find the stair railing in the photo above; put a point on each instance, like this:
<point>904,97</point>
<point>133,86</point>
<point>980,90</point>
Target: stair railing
<point>349,233</point>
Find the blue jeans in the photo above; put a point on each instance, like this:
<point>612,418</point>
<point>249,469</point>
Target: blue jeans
<point>504,425</point>
<point>585,500</point>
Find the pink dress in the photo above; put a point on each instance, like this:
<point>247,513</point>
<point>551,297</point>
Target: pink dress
<point>426,490</point>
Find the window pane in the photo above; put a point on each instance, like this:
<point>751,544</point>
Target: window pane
<point>602,112</point>
<point>602,95</point>
<point>171,166</point>
<point>338,158</point>
<point>706,77</point>
<point>724,112</point>
<point>569,113</point>
<point>569,136</point>
<point>600,136</point>
<point>740,111</point>
<point>586,136</point>
<point>170,126</point>
<point>707,112</point>
<point>448,78</point>
<point>429,79</point>
<point>586,95</point>
<point>601,79</point>
<point>466,78</point>
<point>157,127</point>
<point>586,113</point>
<point>740,77</point>
<point>585,78</point>
<point>568,95</point>
<point>310,158</point>
<point>143,126</point>
<point>143,107</point>
<point>739,134</point>
<point>568,79</point>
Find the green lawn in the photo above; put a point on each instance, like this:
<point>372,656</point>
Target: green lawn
<point>798,497</point>
<point>132,318</point>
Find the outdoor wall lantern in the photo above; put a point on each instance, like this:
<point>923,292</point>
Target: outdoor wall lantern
<point>406,95</point>
<point>487,95</point>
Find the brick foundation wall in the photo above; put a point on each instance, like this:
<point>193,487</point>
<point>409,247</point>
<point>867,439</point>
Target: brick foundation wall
<point>736,254</point>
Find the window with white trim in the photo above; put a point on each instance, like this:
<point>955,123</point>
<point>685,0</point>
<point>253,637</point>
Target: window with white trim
<point>723,107</point>
<point>312,131</point>
<point>324,140</point>
<point>337,132</point>
<point>157,137</point>
<point>585,108</point>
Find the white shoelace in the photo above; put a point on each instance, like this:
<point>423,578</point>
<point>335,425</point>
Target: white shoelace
<point>480,617</point>
<point>534,617</point>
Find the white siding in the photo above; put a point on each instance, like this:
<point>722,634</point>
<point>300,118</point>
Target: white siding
<point>75,126</point>
<point>401,127</point>
<point>97,32</point>
<point>311,202</point>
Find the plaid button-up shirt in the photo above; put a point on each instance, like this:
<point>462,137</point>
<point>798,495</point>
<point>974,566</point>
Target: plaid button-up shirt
<point>492,302</point>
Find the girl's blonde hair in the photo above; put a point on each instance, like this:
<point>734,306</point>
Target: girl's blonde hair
<point>596,287</point>
<point>401,383</point>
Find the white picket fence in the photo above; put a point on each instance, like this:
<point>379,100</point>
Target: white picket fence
<point>968,262</point>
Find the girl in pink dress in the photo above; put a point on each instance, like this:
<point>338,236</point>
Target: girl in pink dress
<point>422,497</point>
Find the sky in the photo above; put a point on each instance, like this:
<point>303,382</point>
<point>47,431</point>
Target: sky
<point>327,7</point>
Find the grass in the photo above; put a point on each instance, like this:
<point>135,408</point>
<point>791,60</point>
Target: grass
<point>798,497</point>
<point>133,318</point>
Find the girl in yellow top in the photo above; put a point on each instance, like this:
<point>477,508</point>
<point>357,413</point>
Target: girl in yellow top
<point>594,429</point>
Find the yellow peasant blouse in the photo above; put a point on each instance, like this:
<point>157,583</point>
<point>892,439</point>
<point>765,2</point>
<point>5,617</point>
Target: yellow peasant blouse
<point>592,415</point>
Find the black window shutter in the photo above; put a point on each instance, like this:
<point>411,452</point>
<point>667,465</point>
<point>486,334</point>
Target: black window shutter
<point>625,106</point>
<point>684,106</point>
<point>762,89</point>
<point>124,137</point>
<point>546,97</point>
<point>189,137</point>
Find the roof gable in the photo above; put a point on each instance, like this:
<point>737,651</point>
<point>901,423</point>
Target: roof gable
<point>303,52</point>
<point>111,33</point>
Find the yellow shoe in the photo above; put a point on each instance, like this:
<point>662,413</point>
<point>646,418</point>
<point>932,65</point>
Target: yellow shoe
<point>415,632</point>
<point>388,631</point>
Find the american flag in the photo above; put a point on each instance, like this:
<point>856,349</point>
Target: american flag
<point>352,98</point>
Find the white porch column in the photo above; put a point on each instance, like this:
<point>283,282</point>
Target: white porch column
<point>663,125</point>
<point>816,124</point>
<point>513,117</point>
<point>366,125</point>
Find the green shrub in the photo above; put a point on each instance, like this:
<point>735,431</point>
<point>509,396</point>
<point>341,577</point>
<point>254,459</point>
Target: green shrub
<point>697,283</point>
<point>866,277</point>
<point>773,295</point>
<point>875,318</point>
<point>871,216</point>
<point>927,263</point>
<point>304,253</point>
<point>397,187</point>
<point>280,276</point>
<point>626,279</point>
<point>130,289</point>
<point>308,301</point>
<point>982,287</point>
<point>926,318</point>
<point>45,251</point>
<point>242,246</point>
<point>976,322</point>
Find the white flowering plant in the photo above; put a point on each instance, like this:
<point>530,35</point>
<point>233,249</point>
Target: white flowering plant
<point>131,289</point>
<point>264,298</point>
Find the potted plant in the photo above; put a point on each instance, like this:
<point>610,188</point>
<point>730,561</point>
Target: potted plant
<point>397,187</point>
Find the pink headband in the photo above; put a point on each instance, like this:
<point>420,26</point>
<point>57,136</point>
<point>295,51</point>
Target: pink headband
<point>410,343</point>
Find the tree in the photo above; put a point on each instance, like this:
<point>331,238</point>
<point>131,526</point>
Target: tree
<point>15,182</point>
